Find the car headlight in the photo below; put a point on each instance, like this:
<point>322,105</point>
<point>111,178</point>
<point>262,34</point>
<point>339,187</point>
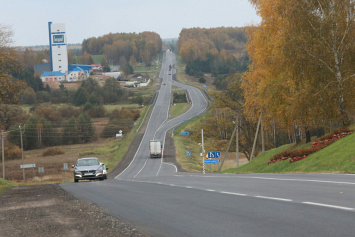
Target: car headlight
<point>77,172</point>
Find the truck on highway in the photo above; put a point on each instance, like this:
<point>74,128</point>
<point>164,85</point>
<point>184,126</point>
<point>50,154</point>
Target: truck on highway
<point>155,148</point>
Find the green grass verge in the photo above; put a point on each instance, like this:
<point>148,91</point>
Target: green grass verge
<point>339,157</point>
<point>193,162</point>
<point>179,109</point>
<point>4,184</point>
<point>190,123</point>
<point>117,148</point>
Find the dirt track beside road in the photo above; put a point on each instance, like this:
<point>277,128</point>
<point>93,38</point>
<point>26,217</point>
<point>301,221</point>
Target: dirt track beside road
<point>47,210</point>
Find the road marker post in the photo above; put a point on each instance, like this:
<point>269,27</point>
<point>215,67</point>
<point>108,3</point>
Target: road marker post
<point>65,166</point>
<point>203,152</point>
<point>41,170</point>
<point>3,157</point>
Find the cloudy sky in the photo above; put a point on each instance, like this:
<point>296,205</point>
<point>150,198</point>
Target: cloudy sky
<point>87,18</point>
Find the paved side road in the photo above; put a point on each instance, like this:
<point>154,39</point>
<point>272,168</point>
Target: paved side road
<point>47,210</point>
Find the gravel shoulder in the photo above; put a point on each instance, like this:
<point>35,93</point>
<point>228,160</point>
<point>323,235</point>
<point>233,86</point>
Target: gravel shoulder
<point>47,210</point>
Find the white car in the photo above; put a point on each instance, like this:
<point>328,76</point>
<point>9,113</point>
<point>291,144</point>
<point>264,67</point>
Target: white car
<point>88,169</point>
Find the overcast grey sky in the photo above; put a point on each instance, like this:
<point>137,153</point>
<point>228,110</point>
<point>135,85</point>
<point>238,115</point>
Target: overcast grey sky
<point>87,18</point>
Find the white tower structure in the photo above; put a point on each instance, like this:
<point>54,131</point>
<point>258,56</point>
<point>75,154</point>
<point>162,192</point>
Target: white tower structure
<point>58,47</point>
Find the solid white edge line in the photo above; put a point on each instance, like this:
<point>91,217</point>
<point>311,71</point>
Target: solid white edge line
<point>210,190</point>
<point>273,198</point>
<point>331,206</point>
<point>262,178</point>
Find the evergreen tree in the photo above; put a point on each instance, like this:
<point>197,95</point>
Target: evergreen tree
<point>70,132</point>
<point>81,96</point>
<point>85,128</point>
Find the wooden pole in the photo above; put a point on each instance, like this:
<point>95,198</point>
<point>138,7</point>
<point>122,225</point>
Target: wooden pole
<point>256,137</point>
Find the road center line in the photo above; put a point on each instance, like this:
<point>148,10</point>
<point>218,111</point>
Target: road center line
<point>238,194</point>
<point>331,206</point>
<point>273,198</point>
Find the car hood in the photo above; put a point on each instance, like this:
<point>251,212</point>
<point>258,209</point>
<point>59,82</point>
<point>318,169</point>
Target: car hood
<point>85,168</point>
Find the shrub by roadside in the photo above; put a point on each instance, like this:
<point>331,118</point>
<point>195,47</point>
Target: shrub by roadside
<point>53,152</point>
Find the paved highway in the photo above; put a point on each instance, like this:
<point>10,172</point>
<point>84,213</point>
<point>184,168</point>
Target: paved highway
<point>152,195</point>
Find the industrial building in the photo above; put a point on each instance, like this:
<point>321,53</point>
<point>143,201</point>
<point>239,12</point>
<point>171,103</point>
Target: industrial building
<point>58,69</point>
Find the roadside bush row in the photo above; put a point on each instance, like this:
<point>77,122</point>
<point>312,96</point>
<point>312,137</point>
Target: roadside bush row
<point>301,154</point>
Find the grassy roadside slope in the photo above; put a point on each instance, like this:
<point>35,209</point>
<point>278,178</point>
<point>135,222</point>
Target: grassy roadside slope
<point>339,157</point>
<point>4,184</point>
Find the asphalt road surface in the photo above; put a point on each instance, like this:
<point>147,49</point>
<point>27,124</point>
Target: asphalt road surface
<point>153,195</point>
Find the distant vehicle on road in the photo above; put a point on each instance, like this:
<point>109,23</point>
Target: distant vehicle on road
<point>88,169</point>
<point>155,148</point>
<point>104,169</point>
<point>131,84</point>
<point>164,83</point>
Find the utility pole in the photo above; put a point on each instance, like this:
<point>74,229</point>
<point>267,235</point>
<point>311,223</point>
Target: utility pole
<point>23,170</point>
<point>256,137</point>
<point>237,142</point>
<point>203,153</point>
<point>262,137</point>
<point>3,157</point>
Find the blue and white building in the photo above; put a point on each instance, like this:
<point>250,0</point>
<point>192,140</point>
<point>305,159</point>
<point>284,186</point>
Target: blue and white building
<point>58,69</point>
<point>58,47</point>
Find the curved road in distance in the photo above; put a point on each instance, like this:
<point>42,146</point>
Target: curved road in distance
<point>152,195</point>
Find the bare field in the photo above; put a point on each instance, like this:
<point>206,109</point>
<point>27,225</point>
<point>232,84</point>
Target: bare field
<point>53,165</point>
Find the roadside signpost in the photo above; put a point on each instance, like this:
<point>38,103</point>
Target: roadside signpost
<point>183,121</point>
<point>23,167</point>
<point>212,161</point>
<point>212,158</point>
<point>41,170</point>
<point>169,114</point>
<point>65,166</point>
<point>188,153</point>
<point>184,133</point>
<point>119,134</point>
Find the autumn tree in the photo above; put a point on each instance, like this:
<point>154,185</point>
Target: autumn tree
<point>302,54</point>
<point>9,87</point>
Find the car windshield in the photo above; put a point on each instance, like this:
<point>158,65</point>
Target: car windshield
<point>87,162</point>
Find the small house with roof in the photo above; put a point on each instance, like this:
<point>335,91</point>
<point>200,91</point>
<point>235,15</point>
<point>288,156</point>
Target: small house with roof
<point>77,74</point>
<point>52,76</point>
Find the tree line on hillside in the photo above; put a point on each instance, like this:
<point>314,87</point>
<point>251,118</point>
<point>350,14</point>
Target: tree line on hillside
<point>51,126</point>
<point>217,50</point>
<point>125,47</point>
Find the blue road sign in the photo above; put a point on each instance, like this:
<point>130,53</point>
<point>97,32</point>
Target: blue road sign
<point>212,161</point>
<point>214,154</point>
<point>188,153</point>
<point>184,133</point>
<point>183,121</point>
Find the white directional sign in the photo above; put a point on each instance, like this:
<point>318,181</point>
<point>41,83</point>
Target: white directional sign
<point>27,166</point>
<point>214,154</point>
<point>65,166</point>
